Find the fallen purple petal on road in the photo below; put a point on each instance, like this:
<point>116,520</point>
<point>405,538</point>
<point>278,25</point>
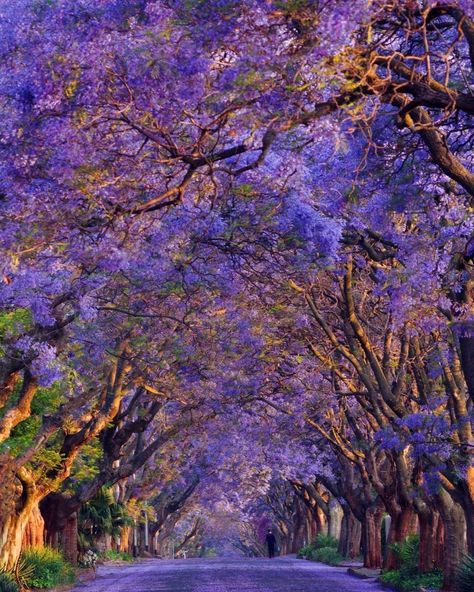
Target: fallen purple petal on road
<point>227,575</point>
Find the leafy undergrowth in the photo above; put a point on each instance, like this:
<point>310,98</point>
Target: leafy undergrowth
<point>111,555</point>
<point>465,576</point>
<point>327,555</point>
<point>7,584</point>
<point>411,583</point>
<point>304,551</point>
<point>323,549</point>
<point>47,568</point>
<point>407,578</point>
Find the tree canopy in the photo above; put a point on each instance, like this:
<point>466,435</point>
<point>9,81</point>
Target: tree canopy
<point>237,249</point>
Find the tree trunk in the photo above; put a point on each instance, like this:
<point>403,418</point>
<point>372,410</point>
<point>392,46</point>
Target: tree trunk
<point>429,540</point>
<point>403,523</point>
<point>321,522</point>
<point>466,346</point>
<point>469,517</point>
<point>371,537</point>
<point>141,540</point>
<point>465,496</point>
<point>355,534</point>
<point>68,539</point>
<point>19,500</point>
<point>125,539</point>
<point>11,538</point>
<point>34,531</point>
<point>343,545</point>
<point>454,524</point>
<point>440,544</point>
<point>312,527</point>
<point>335,515</point>
<point>299,526</point>
<point>349,541</point>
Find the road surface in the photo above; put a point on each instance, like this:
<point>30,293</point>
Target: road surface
<point>285,574</point>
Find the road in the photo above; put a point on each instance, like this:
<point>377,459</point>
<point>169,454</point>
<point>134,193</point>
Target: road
<point>285,574</point>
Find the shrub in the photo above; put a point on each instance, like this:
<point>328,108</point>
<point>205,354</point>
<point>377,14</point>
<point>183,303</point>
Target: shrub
<point>407,578</point>
<point>407,554</point>
<point>16,578</point>
<point>101,515</point>
<point>305,551</point>
<point>465,575</point>
<point>323,541</point>
<point>48,568</point>
<point>111,555</point>
<point>208,552</point>
<point>7,583</point>
<point>327,555</point>
<point>412,583</point>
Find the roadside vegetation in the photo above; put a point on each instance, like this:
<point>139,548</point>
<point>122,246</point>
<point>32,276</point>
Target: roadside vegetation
<point>322,549</point>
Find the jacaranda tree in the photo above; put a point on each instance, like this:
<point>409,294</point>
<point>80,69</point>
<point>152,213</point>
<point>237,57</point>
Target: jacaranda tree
<point>219,211</point>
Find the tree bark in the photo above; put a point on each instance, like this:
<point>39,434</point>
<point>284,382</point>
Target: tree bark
<point>464,494</point>
<point>68,539</point>
<point>19,500</point>
<point>371,537</point>
<point>125,539</point>
<point>466,346</point>
<point>440,544</point>
<point>22,408</point>
<point>350,538</point>
<point>454,525</point>
<point>403,523</point>
<point>335,515</point>
<point>355,534</point>
<point>429,540</point>
<point>34,531</point>
<point>11,538</point>
<point>299,525</point>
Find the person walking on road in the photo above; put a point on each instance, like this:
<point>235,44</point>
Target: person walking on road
<point>271,543</point>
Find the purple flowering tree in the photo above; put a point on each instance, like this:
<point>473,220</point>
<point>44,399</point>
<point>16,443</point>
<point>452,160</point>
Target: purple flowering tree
<point>191,204</point>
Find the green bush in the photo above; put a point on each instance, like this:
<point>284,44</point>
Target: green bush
<point>208,552</point>
<point>327,555</point>
<point>100,516</point>
<point>407,577</point>
<point>111,555</point>
<point>412,583</point>
<point>7,584</point>
<point>322,541</point>
<point>305,551</point>
<point>48,568</point>
<point>407,554</point>
<point>465,575</point>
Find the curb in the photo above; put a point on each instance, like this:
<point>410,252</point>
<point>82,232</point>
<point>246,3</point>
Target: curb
<point>354,571</point>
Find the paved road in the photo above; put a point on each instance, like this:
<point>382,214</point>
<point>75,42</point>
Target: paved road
<point>226,575</point>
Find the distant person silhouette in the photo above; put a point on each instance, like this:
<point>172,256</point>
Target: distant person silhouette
<point>271,543</point>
